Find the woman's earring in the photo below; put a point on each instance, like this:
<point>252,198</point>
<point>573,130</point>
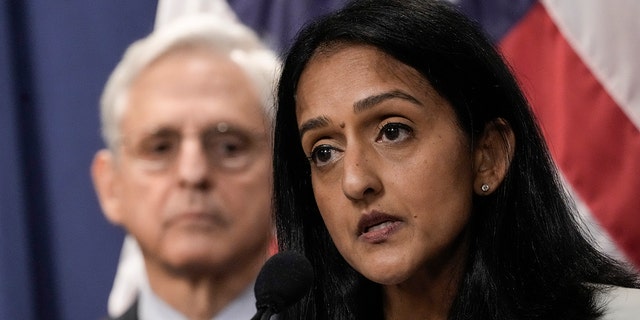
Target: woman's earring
<point>484,187</point>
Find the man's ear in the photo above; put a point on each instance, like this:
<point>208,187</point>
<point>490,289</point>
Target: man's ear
<point>103,172</point>
<point>492,156</point>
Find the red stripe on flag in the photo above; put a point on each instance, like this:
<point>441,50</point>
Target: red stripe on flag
<point>595,144</point>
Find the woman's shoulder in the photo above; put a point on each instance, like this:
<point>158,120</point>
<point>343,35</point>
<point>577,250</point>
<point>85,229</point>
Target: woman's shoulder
<point>619,303</point>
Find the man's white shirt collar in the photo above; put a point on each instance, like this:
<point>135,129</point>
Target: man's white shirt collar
<point>151,307</point>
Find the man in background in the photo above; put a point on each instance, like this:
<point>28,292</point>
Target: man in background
<point>186,117</point>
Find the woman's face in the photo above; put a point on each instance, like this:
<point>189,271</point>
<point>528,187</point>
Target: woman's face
<point>391,170</point>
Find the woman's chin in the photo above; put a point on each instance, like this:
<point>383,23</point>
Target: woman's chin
<point>387,280</point>
<point>386,275</point>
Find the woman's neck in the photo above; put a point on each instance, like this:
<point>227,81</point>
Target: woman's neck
<point>430,292</point>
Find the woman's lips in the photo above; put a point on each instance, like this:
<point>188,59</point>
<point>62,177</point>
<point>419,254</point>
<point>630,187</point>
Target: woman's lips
<point>377,227</point>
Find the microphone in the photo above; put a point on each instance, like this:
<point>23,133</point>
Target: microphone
<point>282,281</point>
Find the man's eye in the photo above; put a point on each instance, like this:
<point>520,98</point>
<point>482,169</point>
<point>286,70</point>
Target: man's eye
<point>228,147</point>
<point>231,149</point>
<point>394,132</point>
<point>322,154</point>
<point>157,147</point>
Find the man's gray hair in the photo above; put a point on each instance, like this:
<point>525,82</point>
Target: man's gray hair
<point>230,38</point>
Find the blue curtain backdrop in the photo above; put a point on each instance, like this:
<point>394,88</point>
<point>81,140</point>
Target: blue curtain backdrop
<point>58,254</point>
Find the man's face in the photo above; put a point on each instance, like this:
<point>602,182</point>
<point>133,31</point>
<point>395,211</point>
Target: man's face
<point>191,181</point>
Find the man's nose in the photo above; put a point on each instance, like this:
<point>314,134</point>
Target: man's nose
<point>193,165</point>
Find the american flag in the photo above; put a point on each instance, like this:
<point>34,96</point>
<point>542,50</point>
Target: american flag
<point>579,64</point>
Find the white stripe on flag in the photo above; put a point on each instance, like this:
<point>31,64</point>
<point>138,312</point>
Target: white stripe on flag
<point>168,10</point>
<point>606,35</point>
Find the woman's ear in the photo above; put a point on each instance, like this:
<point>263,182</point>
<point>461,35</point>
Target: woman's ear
<point>103,173</point>
<point>492,156</point>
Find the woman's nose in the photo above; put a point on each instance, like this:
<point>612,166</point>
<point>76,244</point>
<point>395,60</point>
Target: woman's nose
<point>360,178</point>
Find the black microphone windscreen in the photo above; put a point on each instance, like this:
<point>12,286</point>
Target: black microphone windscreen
<point>284,279</point>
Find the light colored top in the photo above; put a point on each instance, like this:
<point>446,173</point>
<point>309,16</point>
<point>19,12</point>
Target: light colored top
<point>151,307</point>
<point>621,304</point>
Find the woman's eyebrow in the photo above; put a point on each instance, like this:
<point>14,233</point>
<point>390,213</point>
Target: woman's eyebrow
<point>359,106</point>
<point>313,123</point>
<point>371,101</point>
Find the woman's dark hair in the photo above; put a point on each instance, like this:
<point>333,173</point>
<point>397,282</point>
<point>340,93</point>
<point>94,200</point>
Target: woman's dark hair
<point>529,257</point>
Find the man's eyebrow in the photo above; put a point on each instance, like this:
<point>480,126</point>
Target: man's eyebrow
<point>162,131</point>
<point>313,123</point>
<point>371,101</point>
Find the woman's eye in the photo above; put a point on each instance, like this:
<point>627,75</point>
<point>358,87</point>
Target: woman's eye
<point>322,154</point>
<point>394,132</point>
